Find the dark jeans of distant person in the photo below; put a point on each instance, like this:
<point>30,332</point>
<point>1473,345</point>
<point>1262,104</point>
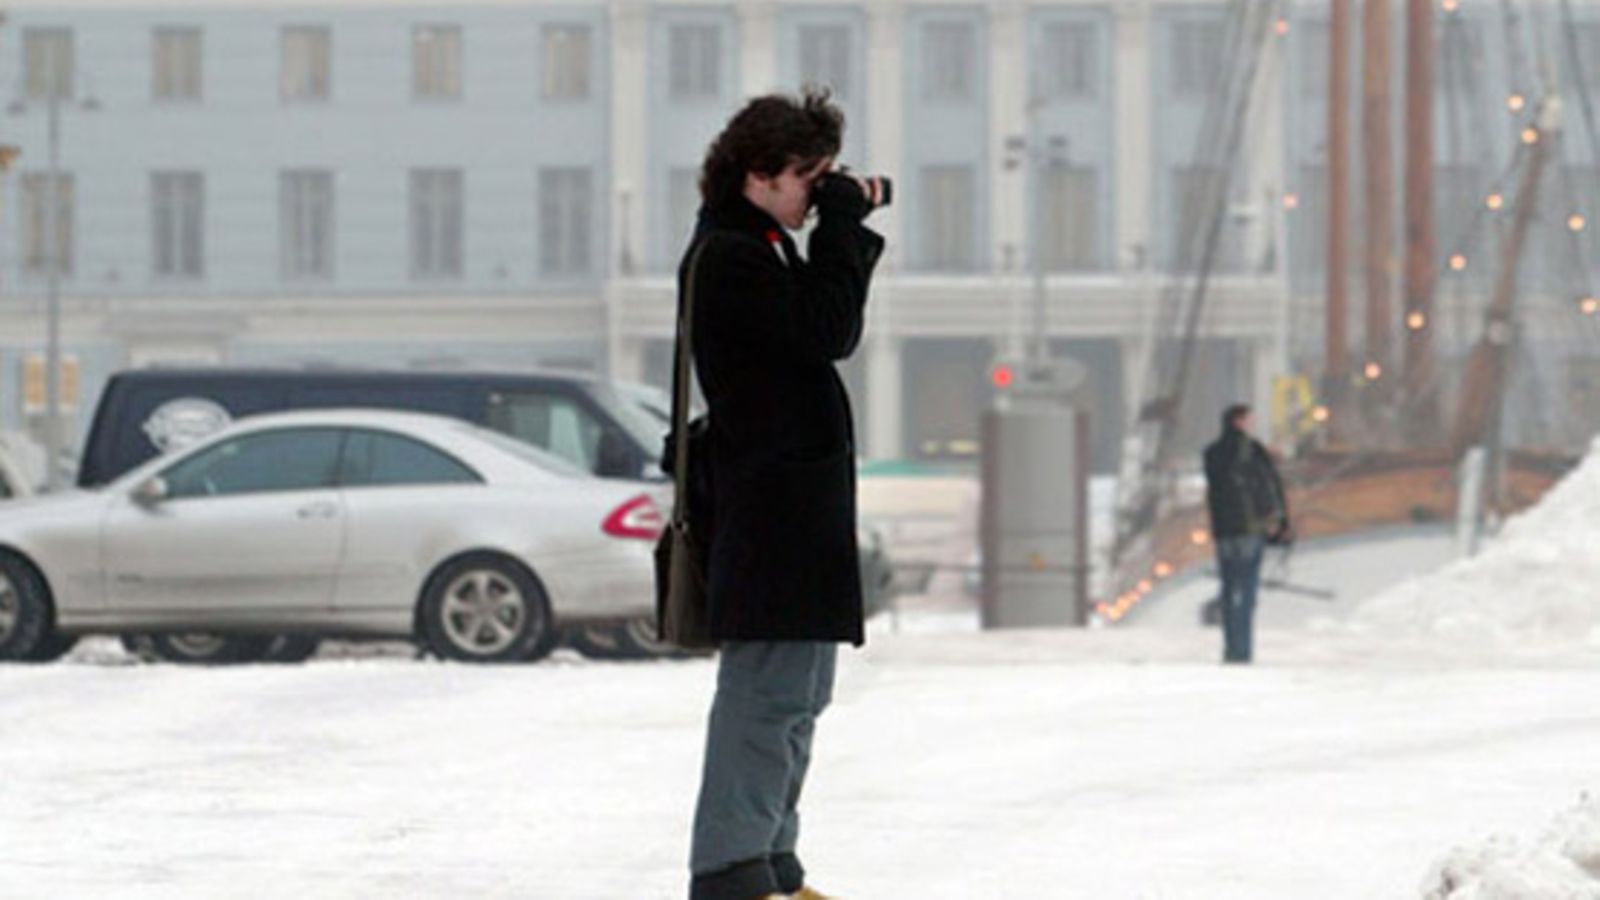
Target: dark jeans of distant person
<point>1239,558</point>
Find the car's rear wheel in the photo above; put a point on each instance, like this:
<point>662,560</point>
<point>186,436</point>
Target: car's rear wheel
<point>25,620</point>
<point>53,647</point>
<point>208,648</point>
<point>487,609</point>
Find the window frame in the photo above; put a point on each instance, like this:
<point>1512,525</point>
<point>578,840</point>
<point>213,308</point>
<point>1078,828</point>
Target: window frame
<point>566,196</point>
<point>939,84</point>
<point>313,94</point>
<point>168,76</point>
<point>702,76</point>
<point>579,89</point>
<point>454,82</point>
<point>295,202</point>
<point>33,191</point>
<point>190,458</point>
<point>178,182</point>
<point>41,86</point>
<point>429,211</point>
<point>967,258</point>
<point>822,37</point>
<point>474,476</point>
<point>1081,36</point>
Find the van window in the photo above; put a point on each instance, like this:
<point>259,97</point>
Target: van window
<point>558,424</point>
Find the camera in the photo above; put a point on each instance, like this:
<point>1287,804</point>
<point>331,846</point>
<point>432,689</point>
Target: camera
<point>840,189</point>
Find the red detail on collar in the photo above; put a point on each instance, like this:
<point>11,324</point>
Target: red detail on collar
<point>773,237</point>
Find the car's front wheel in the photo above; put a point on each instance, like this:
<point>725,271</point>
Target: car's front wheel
<point>26,634</point>
<point>486,609</point>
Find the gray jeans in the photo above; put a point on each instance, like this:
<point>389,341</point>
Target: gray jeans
<point>758,747</point>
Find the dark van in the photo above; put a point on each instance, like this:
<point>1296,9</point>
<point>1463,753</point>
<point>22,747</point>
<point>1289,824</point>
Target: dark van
<point>144,413</point>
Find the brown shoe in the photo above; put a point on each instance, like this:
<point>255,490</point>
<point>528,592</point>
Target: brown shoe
<point>810,893</point>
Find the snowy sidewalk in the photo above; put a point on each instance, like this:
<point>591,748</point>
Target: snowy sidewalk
<point>1051,765</point>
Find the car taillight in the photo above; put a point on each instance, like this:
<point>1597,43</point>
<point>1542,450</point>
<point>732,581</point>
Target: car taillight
<point>638,518</point>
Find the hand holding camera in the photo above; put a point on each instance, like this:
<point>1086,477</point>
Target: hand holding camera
<point>843,192</point>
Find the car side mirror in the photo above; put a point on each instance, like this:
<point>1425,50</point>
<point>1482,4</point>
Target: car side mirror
<point>150,492</point>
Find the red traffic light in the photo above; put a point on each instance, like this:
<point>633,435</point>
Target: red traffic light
<point>1003,376</point>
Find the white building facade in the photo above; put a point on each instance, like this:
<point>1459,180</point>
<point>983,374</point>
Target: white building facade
<point>512,183</point>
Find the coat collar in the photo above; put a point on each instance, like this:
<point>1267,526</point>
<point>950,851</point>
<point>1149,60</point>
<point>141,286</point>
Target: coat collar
<point>740,214</point>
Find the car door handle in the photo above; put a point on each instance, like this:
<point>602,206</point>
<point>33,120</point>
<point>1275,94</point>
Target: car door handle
<point>318,511</point>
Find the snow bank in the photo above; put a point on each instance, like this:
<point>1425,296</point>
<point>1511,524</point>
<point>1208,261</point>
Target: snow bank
<point>1538,582</point>
<point>1564,863</point>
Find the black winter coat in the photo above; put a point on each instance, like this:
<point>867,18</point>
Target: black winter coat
<point>768,328</point>
<point>1243,490</point>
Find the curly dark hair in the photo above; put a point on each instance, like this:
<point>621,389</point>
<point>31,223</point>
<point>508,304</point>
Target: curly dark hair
<point>767,136</point>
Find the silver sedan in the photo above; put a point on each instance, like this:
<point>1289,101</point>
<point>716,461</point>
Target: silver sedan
<point>339,522</point>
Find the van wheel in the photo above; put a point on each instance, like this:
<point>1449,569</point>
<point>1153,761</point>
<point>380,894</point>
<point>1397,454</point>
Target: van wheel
<point>290,648</point>
<point>633,639</point>
<point>208,648</point>
<point>487,609</point>
<point>25,628</point>
<point>599,640</point>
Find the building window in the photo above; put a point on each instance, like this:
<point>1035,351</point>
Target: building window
<point>436,223</point>
<point>566,221</point>
<point>47,63</point>
<point>567,62</point>
<point>36,249</point>
<point>436,62</point>
<point>825,58</point>
<point>1314,55</point>
<point>1461,54</point>
<point>1586,35</point>
<point>305,213</point>
<point>694,58</point>
<point>177,208</point>
<point>1069,62</point>
<point>949,61</point>
<point>1071,238</point>
<point>1308,221</point>
<point>1199,195</point>
<point>307,75</point>
<point>175,65</point>
<point>948,236</point>
<point>1196,58</point>
<point>683,204</point>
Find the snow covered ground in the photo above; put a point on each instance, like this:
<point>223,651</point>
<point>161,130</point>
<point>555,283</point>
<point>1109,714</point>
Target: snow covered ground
<point>1407,745</point>
<point>953,765</point>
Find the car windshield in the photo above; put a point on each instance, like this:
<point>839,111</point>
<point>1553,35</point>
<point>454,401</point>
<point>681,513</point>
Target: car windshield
<point>526,452</point>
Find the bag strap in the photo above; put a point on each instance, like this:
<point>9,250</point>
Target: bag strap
<point>680,395</point>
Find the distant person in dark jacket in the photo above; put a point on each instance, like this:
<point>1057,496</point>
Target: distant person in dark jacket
<point>1248,509</point>
<point>783,577</point>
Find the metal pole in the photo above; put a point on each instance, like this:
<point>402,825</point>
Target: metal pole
<point>1038,158</point>
<point>1336,364</point>
<point>52,229</point>
<point>1422,415</point>
<point>1377,133</point>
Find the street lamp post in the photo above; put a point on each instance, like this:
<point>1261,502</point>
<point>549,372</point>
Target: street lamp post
<point>1037,154</point>
<point>52,353</point>
<point>52,261</point>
